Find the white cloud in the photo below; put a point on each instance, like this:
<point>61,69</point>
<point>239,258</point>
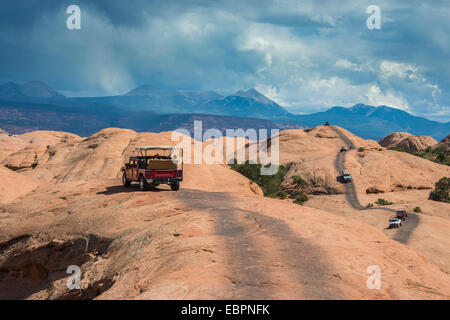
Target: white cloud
<point>307,56</point>
<point>377,98</point>
<point>396,69</point>
<point>345,64</point>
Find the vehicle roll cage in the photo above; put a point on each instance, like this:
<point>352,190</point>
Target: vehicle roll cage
<point>141,153</point>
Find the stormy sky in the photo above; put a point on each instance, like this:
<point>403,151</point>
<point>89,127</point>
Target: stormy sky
<point>305,55</point>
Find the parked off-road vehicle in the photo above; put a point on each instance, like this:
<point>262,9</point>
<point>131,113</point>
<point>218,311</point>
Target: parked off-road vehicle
<point>154,165</point>
<point>395,223</point>
<point>401,214</point>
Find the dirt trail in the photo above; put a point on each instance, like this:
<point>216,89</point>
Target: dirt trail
<point>263,252</point>
<point>404,233</point>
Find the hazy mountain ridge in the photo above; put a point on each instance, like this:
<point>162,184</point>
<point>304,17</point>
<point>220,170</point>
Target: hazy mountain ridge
<point>37,117</point>
<point>31,89</point>
<point>144,103</point>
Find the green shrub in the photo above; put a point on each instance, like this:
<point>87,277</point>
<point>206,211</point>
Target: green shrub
<point>299,180</point>
<point>441,190</point>
<point>417,209</point>
<point>269,184</point>
<point>301,198</point>
<point>383,202</point>
<point>370,205</point>
<point>439,155</point>
<point>282,194</point>
<point>361,149</point>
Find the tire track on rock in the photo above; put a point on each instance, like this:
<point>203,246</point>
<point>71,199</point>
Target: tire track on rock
<point>404,233</point>
<point>264,255</point>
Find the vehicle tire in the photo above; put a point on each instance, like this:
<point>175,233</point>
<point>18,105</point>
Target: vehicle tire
<point>125,181</point>
<point>175,186</point>
<point>143,185</point>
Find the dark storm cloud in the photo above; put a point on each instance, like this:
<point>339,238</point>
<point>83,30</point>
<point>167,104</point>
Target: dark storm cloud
<point>307,55</point>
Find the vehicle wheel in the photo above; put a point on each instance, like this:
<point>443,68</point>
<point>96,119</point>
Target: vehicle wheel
<point>125,181</point>
<point>143,185</point>
<point>175,186</point>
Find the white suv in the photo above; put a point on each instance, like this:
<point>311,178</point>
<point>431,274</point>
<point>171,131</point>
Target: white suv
<point>395,223</point>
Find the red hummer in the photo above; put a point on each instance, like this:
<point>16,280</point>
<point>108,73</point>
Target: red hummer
<point>401,214</point>
<point>154,165</point>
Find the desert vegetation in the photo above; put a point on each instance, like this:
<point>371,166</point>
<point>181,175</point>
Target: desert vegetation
<point>383,202</point>
<point>439,155</point>
<point>300,197</point>
<point>298,180</point>
<point>441,190</point>
<point>270,185</point>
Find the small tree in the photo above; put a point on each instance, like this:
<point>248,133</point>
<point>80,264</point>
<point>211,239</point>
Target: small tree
<point>441,190</point>
<point>441,157</point>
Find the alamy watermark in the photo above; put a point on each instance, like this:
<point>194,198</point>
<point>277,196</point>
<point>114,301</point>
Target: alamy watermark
<point>374,280</point>
<point>74,281</point>
<point>254,146</point>
<point>374,20</point>
<point>74,19</point>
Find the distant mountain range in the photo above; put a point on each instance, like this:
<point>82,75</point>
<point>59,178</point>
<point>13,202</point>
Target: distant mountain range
<point>371,122</point>
<point>152,109</point>
<point>29,90</point>
<point>247,104</point>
